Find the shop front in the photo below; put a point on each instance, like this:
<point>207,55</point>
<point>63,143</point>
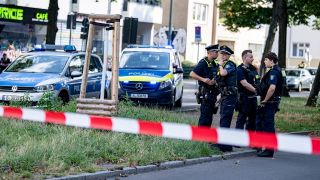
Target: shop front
<point>22,27</point>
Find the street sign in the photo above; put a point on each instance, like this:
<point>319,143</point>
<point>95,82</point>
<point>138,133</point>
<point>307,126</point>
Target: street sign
<point>197,34</point>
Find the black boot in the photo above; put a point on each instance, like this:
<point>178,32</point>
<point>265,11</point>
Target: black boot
<point>266,153</point>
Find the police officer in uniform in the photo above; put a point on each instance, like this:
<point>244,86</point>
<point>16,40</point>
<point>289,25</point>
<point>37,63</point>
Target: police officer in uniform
<point>204,72</point>
<point>270,90</point>
<point>247,81</point>
<point>227,81</point>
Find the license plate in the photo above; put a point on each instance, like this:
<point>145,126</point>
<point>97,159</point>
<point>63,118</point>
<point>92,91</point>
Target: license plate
<point>11,98</point>
<point>139,95</point>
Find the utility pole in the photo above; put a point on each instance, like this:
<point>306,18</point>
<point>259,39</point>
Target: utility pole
<point>170,29</point>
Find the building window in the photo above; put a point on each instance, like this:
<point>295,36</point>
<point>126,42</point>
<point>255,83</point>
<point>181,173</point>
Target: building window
<point>200,12</point>
<point>299,49</point>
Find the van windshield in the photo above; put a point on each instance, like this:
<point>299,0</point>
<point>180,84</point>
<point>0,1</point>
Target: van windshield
<point>144,60</point>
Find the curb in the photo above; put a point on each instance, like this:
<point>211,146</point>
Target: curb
<point>161,166</point>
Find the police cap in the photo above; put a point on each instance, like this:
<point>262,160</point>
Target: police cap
<point>226,49</point>
<point>214,47</point>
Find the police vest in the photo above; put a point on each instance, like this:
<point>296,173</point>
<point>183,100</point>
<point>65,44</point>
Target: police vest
<point>210,72</point>
<point>264,85</point>
<point>252,77</point>
<point>231,79</point>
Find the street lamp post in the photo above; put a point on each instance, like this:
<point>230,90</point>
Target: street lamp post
<point>170,30</point>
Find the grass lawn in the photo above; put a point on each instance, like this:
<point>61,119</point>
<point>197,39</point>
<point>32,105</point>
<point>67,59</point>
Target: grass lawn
<point>33,150</point>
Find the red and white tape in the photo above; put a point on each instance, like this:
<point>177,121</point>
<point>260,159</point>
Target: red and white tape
<point>278,141</point>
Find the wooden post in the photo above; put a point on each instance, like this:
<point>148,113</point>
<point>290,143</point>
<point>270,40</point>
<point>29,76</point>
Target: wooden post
<point>115,61</point>
<point>87,61</point>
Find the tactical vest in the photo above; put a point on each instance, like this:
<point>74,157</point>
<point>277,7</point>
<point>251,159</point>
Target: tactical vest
<point>211,73</point>
<point>252,77</point>
<point>231,79</point>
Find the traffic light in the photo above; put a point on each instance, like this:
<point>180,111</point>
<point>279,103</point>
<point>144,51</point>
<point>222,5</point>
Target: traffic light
<point>84,28</point>
<point>130,28</point>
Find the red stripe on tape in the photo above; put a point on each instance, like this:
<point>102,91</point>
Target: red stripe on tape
<point>12,112</point>
<point>150,128</point>
<point>204,134</point>
<point>101,122</point>
<point>267,140</point>
<point>55,117</point>
<point>315,146</point>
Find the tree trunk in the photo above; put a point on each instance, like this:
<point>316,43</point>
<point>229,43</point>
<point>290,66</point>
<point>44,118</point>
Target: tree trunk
<point>312,100</point>
<point>271,32</point>
<point>283,21</point>
<point>52,28</point>
<point>282,43</point>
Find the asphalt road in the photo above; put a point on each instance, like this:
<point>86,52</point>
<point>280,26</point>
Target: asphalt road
<point>285,166</point>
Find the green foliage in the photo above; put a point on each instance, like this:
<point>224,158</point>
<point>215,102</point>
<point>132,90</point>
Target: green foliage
<point>49,101</point>
<point>239,13</point>
<point>254,13</point>
<point>187,68</point>
<point>25,101</point>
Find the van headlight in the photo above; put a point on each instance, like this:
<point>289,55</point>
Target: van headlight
<point>42,88</point>
<point>165,84</point>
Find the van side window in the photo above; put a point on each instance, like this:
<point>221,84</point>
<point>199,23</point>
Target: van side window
<point>95,65</point>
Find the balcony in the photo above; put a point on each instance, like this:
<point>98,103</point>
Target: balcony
<point>145,11</point>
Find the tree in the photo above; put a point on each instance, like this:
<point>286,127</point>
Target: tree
<point>312,100</point>
<point>52,28</point>
<point>252,14</point>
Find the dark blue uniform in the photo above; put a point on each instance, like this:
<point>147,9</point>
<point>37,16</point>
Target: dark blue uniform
<point>247,103</point>
<point>228,89</point>
<point>265,117</point>
<point>208,93</point>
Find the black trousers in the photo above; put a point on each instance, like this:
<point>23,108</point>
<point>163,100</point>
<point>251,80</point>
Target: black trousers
<point>247,113</point>
<point>207,109</point>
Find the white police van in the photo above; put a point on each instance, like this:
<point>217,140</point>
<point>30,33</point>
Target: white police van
<point>151,74</point>
<point>59,72</point>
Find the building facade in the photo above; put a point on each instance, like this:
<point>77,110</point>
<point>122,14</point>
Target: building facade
<point>187,14</point>
<point>26,35</point>
<point>302,45</point>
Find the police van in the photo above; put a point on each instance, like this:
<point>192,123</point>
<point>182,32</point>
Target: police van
<point>151,74</point>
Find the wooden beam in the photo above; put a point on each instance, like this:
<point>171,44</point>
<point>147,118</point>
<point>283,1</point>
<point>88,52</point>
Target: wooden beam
<point>115,61</point>
<point>87,61</point>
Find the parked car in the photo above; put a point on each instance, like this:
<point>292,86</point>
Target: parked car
<point>299,79</point>
<point>313,72</point>
<point>149,74</point>
<point>58,72</point>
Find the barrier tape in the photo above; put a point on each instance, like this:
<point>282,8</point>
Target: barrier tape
<point>277,141</point>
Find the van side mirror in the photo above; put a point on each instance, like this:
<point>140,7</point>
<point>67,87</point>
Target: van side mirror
<point>75,74</point>
<point>178,70</point>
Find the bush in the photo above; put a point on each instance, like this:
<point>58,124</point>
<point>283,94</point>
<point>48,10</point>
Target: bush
<point>187,68</point>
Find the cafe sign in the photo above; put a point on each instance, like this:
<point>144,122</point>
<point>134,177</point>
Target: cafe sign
<point>23,15</point>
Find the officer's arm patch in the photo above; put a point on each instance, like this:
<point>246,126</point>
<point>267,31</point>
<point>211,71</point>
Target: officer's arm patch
<point>272,77</point>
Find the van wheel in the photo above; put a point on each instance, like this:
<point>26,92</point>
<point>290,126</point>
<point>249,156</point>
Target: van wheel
<point>172,103</point>
<point>179,102</point>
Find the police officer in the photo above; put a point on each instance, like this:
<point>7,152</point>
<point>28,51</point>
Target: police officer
<point>227,80</point>
<point>270,90</point>
<point>247,80</point>
<point>204,72</point>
